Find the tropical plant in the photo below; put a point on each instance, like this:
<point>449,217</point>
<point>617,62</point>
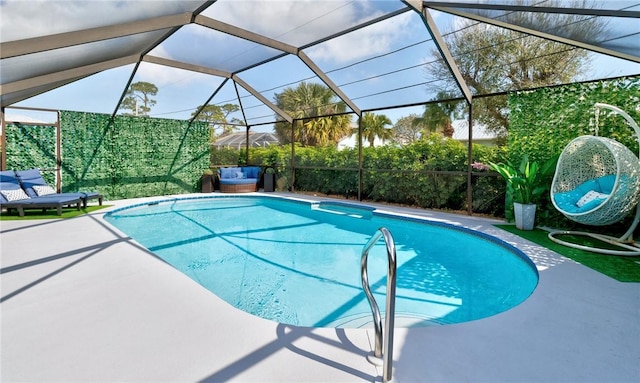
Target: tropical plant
<point>318,113</point>
<point>374,125</point>
<point>528,181</point>
<point>138,98</point>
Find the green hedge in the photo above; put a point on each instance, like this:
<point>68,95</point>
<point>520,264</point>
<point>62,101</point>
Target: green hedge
<point>31,146</point>
<point>415,174</point>
<point>126,157</point>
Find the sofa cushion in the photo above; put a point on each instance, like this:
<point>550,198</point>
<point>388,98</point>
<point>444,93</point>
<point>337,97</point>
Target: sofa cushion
<point>226,173</point>
<point>237,181</point>
<point>251,171</point>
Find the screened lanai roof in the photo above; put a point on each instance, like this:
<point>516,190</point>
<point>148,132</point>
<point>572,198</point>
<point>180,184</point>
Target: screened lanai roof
<point>83,55</point>
<point>239,140</point>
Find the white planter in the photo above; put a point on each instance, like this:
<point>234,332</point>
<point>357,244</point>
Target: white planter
<point>525,215</point>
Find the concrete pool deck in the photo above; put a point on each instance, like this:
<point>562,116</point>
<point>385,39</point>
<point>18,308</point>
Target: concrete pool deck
<point>82,302</point>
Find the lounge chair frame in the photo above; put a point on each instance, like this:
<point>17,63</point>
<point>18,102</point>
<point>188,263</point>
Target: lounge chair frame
<point>43,204</point>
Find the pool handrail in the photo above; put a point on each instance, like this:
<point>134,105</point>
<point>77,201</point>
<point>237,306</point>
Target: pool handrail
<point>385,355</point>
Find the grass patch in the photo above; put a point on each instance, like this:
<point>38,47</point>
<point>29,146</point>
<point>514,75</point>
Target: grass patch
<point>620,268</point>
<point>50,213</point>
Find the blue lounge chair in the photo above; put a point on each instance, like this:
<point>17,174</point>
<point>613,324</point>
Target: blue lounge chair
<point>12,196</point>
<point>34,185</point>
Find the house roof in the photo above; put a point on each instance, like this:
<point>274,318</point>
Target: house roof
<point>480,131</point>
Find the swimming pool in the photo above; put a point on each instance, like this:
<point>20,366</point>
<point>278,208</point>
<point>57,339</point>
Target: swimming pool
<point>298,262</point>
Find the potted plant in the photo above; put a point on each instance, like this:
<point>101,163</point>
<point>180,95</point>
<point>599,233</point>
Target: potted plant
<point>525,184</point>
<point>269,179</point>
<point>207,181</point>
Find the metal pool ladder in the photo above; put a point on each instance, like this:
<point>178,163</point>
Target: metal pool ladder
<point>379,357</point>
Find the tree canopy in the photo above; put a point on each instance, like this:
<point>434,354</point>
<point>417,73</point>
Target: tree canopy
<point>405,131</point>
<point>493,59</point>
<point>138,98</point>
<point>216,116</point>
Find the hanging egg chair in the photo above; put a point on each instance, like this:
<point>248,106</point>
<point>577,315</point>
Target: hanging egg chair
<point>597,182</point>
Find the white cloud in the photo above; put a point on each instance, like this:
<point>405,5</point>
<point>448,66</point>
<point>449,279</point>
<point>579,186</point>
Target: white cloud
<point>367,42</point>
<point>316,19</point>
<point>274,18</point>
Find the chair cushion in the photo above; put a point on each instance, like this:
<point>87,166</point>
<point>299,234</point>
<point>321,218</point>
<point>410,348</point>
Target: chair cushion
<point>43,190</point>
<point>8,181</point>
<point>14,195</point>
<point>586,196</point>
<point>591,196</point>
<point>29,178</point>
<point>605,183</point>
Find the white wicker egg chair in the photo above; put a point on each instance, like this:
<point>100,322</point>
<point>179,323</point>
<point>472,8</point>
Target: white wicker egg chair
<point>597,182</point>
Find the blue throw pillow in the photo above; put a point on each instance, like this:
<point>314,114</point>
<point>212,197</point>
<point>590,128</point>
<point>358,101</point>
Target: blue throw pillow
<point>228,172</point>
<point>252,171</point>
<point>585,187</point>
<point>606,183</point>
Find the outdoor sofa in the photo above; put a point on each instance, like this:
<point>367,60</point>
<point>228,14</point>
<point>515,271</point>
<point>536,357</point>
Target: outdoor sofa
<point>242,179</point>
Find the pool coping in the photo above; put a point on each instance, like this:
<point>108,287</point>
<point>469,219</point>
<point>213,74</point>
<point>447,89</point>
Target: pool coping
<point>82,302</point>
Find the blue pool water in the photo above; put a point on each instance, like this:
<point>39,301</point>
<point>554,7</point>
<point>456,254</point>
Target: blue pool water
<point>299,263</point>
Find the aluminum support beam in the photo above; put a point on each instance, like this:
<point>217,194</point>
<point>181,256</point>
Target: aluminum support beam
<point>69,74</point>
<point>185,66</point>
<point>260,97</point>
<point>244,34</point>
<point>442,47</point>
<point>68,39</point>
<point>315,69</point>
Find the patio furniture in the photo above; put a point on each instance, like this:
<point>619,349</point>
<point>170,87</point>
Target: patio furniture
<point>243,179</point>
<point>35,185</point>
<point>12,196</point>
<point>597,182</point>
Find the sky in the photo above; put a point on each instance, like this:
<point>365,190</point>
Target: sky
<point>369,83</point>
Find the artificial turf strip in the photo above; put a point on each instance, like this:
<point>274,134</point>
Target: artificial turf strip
<point>620,268</point>
<point>50,213</point>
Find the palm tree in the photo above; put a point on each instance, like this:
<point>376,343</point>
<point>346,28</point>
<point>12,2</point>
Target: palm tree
<point>374,125</point>
<point>314,107</point>
<point>437,116</point>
